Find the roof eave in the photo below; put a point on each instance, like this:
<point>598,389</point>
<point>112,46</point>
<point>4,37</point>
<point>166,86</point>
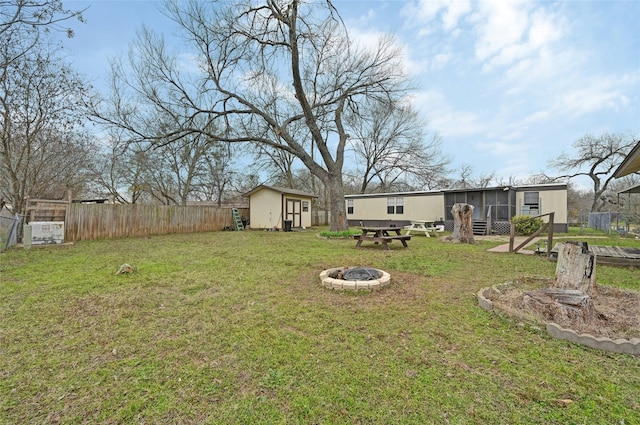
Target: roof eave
<point>631,163</point>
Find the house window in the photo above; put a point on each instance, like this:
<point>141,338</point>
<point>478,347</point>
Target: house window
<point>399,205</point>
<point>305,206</point>
<point>395,205</point>
<point>531,203</point>
<point>349,206</point>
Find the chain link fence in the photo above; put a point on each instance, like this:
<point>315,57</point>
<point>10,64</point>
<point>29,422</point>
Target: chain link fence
<point>609,221</point>
<point>9,227</point>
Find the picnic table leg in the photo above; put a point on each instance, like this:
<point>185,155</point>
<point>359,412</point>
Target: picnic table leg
<point>359,242</point>
<point>404,243</point>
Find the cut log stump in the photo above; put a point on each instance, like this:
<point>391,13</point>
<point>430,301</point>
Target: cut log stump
<point>576,268</point>
<point>560,305</point>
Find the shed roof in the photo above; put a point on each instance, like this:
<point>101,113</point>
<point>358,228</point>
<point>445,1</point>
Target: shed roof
<point>630,164</point>
<point>284,190</point>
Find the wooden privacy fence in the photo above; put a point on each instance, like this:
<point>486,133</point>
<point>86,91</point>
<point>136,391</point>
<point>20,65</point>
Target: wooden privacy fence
<point>96,221</point>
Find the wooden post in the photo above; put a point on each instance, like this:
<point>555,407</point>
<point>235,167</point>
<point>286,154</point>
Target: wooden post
<point>550,234</point>
<point>576,268</point>
<point>512,235</point>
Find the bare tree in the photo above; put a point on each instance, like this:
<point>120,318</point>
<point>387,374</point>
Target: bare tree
<point>144,105</point>
<point>389,143</point>
<point>23,21</point>
<point>278,163</point>
<point>218,175</point>
<point>466,179</point>
<point>43,151</point>
<point>267,67</point>
<point>596,157</point>
<point>117,173</point>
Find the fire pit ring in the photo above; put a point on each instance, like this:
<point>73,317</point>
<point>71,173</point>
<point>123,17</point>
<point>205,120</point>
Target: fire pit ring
<point>365,279</point>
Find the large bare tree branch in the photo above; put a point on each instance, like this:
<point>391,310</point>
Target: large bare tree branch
<point>264,69</point>
<point>596,157</point>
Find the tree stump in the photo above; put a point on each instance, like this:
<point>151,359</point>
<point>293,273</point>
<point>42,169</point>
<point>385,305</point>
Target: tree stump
<point>560,305</point>
<point>576,268</point>
<point>462,224</point>
<point>568,302</point>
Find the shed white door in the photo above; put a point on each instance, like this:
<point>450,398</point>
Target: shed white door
<point>294,212</point>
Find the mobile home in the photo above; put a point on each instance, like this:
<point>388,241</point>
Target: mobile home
<point>493,207</point>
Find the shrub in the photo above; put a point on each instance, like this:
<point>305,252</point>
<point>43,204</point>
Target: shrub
<point>526,225</point>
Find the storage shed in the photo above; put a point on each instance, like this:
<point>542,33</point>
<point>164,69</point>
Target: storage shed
<point>276,207</point>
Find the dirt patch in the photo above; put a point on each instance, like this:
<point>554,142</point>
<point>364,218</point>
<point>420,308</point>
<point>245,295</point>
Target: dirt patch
<point>616,311</point>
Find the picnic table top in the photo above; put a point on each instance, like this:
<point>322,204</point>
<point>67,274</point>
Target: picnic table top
<point>379,228</point>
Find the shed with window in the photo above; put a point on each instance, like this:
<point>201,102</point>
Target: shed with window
<point>271,206</point>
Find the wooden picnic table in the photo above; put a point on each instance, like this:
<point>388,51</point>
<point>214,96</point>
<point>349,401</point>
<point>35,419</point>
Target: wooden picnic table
<point>383,235</point>
<point>424,226</point>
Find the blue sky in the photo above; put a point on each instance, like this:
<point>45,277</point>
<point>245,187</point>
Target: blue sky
<point>508,85</point>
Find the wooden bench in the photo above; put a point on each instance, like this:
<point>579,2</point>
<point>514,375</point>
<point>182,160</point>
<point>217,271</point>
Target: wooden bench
<point>385,240</point>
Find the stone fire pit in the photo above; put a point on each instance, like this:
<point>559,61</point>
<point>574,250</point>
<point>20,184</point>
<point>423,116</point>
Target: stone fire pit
<point>354,278</point>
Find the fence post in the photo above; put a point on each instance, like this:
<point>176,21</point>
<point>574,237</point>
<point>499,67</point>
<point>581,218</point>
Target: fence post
<point>550,234</point>
<point>512,235</point>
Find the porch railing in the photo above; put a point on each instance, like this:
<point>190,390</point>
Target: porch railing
<point>546,226</point>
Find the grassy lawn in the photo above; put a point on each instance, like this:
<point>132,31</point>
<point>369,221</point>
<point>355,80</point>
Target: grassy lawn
<point>234,327</point>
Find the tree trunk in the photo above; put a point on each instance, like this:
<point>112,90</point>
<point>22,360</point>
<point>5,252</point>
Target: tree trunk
<point>576,268</point>
<point>337,203</point>
<point>462,224</point>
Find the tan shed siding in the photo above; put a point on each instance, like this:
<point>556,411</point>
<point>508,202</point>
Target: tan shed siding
<point>429,207</point>
<point>555,201</point>
<point>266,210</point>
<point>306,215</point>
<point>549,201</point>
<point>422,207</point>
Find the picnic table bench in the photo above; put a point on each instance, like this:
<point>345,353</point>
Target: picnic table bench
<point>383,235</point>
<point>424,226</point>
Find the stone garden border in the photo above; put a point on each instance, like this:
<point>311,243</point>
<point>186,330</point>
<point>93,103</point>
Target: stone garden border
<point>620,345</point>
<point>353,285</point>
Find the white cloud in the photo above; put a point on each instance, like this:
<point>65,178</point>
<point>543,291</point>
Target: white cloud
<point>509,32</point>
<point>454,11</point>
<point>428,14</point>
<point>598,93</point>
<point>369,40</point>
<point>499,25</point>
<point>445,119</point>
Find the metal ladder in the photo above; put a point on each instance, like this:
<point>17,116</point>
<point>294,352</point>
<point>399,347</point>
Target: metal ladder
<point>237,221</point>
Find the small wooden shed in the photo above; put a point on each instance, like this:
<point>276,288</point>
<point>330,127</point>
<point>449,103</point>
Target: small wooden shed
<point>277,207</point>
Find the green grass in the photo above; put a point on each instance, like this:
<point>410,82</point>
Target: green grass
<point>342,234</point>
<point>234,327</point>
